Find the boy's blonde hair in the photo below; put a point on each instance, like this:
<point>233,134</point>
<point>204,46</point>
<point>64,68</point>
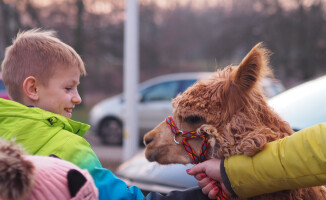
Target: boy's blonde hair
<point>36,53</point>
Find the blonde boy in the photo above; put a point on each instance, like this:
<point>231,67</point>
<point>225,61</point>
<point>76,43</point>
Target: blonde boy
<point>37,65</point>
<point>41,74</point>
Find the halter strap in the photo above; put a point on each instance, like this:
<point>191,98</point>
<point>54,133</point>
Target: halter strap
<point>190,135</point>
<point>203,151</point>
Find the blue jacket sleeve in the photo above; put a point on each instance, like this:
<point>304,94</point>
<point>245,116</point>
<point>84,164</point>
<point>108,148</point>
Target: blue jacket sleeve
<point>111,187</point>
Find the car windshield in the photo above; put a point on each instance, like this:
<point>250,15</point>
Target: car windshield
<point>160,92</point>
<point>185,84</point>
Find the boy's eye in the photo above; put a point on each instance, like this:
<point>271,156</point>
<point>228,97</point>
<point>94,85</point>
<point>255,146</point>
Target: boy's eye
<point>68,88</point>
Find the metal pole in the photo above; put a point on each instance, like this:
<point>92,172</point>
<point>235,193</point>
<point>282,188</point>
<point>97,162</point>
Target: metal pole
<point>130,79</point>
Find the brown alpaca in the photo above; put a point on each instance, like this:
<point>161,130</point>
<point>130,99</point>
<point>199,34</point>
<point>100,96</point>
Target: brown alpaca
<point>231,109</point>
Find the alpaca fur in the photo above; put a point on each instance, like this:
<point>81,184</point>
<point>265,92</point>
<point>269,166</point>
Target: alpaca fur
<point>231,108</point>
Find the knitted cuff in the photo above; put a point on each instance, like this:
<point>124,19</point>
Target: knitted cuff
<point>226,180</point>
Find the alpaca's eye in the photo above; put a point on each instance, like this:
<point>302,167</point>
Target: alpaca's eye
<point>194,119</point>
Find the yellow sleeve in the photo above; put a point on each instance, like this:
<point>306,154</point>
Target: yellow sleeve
<point>296,161</point>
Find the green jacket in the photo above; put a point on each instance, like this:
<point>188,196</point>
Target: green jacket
<point>43,133</point>
<point>296,161</point>
<point>34,128</point>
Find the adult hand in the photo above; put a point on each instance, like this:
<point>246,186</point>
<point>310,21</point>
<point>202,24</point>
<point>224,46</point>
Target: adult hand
<point>208,175</point>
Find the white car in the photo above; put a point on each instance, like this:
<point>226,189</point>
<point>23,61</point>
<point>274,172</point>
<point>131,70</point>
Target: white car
<point>304,105</point>
<point>155,95</point>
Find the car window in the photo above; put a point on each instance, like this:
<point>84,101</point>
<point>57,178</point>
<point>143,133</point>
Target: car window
<point>185,84</point>
<point>2,86</point>
<point>160,92</point>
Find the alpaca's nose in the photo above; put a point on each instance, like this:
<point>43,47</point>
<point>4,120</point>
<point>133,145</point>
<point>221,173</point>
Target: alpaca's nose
<point>148,139</point>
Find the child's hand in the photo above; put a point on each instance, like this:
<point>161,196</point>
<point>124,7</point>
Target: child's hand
<point>208,175</point>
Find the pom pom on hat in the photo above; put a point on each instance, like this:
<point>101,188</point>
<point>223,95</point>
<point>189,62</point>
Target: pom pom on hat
<point>16,177</point>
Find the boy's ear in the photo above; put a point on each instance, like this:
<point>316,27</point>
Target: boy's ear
<point>30,88</point>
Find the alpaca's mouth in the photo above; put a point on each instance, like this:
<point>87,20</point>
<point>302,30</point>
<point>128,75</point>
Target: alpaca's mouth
<point>167,154</point>
<point>152,154</point>
<point>150,158</point>
<point>154,157</point>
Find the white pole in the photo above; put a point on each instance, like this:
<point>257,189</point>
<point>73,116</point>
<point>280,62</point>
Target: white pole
<point>130,79</point>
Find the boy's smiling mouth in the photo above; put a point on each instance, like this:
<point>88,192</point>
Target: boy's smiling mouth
<point>69,111</point>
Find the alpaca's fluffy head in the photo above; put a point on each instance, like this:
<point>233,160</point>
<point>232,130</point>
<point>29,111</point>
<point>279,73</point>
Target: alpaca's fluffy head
<point>230,106</point>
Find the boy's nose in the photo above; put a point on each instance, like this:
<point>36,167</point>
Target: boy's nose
<point>76,99</point>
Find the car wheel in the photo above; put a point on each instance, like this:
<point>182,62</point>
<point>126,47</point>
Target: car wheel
<point>110,131</point>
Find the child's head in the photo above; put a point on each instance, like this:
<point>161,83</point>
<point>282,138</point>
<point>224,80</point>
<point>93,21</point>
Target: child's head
<point>42,71</point>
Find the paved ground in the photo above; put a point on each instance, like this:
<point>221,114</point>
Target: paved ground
<point>110,156</point>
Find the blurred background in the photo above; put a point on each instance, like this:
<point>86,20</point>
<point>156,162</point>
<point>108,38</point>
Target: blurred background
<point>177,36</point>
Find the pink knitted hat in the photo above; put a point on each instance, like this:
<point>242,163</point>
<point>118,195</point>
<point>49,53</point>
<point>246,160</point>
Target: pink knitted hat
<point>53,178</point>
<point>40,177</point>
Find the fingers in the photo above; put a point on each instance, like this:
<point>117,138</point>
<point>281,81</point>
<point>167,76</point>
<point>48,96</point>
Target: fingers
<point>204,182</point>
<point>199,168</point>
<point>210,167</point>
<point>200,176</point>
<point>208,187</point>
<point>211,188</point>
<point>212,193</point>
<point>208,175</point>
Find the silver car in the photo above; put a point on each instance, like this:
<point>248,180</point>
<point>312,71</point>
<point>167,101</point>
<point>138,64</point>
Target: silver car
<point>155,95</point>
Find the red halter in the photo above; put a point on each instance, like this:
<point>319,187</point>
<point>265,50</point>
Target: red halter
<point>203,151</point>
<point>189,135</point>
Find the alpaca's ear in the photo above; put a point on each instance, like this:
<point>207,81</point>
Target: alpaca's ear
<point>252,68</point>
